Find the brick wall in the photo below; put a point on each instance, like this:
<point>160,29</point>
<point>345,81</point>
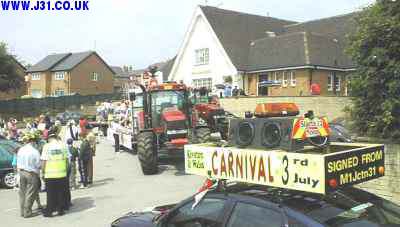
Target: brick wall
<point>332,107</point>
<point>388,186</point>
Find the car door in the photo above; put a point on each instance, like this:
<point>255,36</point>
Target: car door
<point>5,159</point>
<point>207,213</point>
<point>246,214</point>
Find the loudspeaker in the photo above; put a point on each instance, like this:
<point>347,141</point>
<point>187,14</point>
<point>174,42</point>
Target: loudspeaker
<point>264,133</point>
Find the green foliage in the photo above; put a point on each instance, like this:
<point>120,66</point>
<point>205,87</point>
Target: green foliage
<point>375,47</point>
<point>9,78</point>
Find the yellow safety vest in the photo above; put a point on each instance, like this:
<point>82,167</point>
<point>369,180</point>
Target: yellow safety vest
<point>56,165</point>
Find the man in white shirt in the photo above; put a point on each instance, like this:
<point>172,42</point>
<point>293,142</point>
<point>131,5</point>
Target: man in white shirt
<point>28,165</point>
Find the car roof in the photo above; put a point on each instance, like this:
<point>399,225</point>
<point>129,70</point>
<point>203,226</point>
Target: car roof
<point>319,207</point>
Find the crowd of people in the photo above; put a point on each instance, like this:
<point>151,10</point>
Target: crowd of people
<point>47,160</point>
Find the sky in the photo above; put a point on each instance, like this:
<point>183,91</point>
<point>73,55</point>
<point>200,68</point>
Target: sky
<point>138,32</point>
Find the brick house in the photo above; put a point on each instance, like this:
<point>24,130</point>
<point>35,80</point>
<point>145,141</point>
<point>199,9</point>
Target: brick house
<point>14,94</point>
<point>84,73</point>
<point>251,49</point>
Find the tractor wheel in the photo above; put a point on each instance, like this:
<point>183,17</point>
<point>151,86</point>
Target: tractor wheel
<point>203,135</point>
<point>147,153</point>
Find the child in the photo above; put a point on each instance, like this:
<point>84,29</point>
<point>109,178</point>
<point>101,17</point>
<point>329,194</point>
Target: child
<point>73,155</point>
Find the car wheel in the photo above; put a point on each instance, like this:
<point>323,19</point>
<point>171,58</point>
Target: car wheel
<point>9,180</point>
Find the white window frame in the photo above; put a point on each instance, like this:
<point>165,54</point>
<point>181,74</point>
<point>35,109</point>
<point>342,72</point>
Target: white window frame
<point>293,81</point>
<point>94,76</point>
<point>338,82</point>
<point>285,78</point>
<point>59,92</point>
<point>278,76</point>
<point>203,82</point>
<point>330,82</point>
<point>59,75</point>
<point>202,56</point>
<point>35,76</point>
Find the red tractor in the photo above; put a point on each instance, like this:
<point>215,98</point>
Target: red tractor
<point>165,124</point>
<point>210,112</point>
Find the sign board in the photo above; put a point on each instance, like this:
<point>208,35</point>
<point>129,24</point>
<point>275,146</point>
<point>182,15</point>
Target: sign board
<point>310,172</point>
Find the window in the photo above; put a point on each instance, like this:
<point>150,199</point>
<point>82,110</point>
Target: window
<point>206,213</point>
<point>94,77</point>
<point>204,82</point>
<point>36,93</point>
<point>285,77</point>
<point>59,75</point>
<point>277,76</point>
<point>202,56</point>
<point>253,216</point>
<point>292,78</point>
<point>35,76</point>
<point>59,92</point>
<point>330,82</point>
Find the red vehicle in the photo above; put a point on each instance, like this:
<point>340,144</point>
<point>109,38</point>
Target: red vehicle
<point>210,112</point>
<point>165,124</point>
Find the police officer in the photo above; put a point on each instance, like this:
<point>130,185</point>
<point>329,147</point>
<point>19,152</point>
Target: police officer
<point>55,163</point>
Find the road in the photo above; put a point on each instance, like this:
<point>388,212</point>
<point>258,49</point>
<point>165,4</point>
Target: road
<point>119,187</point>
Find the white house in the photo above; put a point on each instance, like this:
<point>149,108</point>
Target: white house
<point>211,51</point>
<point>253,49</point>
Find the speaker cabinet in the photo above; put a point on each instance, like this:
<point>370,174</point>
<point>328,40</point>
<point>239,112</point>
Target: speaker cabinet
<point>264,133</point>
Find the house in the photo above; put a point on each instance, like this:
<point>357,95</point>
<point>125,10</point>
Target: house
<point>122,76</point>
<point>162,74</point>
<point>84,73</point>
<point>21,91</point>
<point>249,49</point>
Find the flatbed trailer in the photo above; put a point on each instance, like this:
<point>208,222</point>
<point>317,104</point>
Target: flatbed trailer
<point>316,170</point>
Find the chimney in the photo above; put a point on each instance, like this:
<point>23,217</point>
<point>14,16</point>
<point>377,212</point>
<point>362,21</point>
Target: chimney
<point>270,34</point>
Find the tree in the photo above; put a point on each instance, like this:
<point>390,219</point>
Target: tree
<point>9,78</point>
<point>375,87</point>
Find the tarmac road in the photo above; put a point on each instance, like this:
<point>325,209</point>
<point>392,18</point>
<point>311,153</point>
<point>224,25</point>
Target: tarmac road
<point>119,187</point>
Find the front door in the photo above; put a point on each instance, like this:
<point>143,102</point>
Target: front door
<point>252,83</point>
<point>262,91</point>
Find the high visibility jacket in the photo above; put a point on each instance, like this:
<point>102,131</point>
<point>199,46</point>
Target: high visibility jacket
<point>56,165</point>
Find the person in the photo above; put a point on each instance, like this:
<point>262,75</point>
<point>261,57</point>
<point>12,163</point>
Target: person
<point>115,129</point>
<point>91,137</point>
<point>235,91</point>
<point>12,129</point>
<point>73,154</point>
<point>82,126</point>
<point>72,131</point>
<point>28,165</point>
<point>84,158</point>
<point>54,167</point>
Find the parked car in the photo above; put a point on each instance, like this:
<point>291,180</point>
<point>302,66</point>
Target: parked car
<point>67,116</point>
<point>7,149</point>
<point>241,205</point>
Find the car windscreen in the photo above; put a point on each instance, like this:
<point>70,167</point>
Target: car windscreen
<point>348,209</point>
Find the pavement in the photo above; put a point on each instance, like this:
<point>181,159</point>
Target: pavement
<point>119,187</point>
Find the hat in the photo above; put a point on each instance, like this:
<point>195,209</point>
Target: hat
<point>70,141</point>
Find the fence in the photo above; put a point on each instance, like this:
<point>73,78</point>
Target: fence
<point>33,107</point>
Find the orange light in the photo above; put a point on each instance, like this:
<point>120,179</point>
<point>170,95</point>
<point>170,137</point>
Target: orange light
<point>333,183</point>
<point>381,170</point>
